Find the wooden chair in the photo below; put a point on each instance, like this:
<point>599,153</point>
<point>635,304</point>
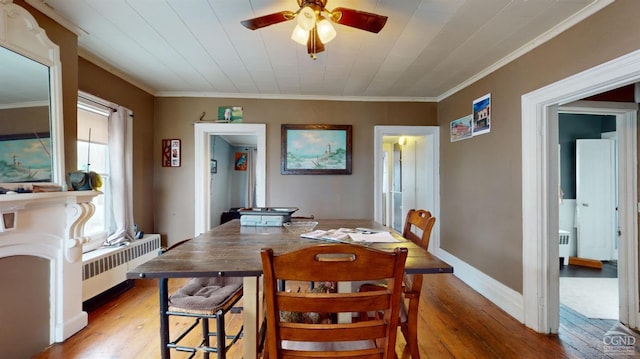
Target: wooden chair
<point>332,262</point>
<point>417,228</point>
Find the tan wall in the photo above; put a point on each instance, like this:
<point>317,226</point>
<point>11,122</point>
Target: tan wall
<point>100,83</point>
<point>24,120</point>
<point>481,178</point>
<point>79,74</point>
<point>337,196</point>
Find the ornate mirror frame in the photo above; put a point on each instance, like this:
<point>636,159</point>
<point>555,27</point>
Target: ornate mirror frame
<point>20,33</point>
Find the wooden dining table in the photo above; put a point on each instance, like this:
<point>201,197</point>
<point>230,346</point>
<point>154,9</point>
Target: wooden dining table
<point>233,250</point>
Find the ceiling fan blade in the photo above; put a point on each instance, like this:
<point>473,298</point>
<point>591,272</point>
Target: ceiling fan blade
<point>266,20</point>
<point>359,19</point>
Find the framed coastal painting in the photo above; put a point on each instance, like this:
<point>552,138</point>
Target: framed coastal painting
<point>315,150</point>
<point>25,158</point>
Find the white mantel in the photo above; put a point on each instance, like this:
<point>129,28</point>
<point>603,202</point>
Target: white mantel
<point>50,225</point>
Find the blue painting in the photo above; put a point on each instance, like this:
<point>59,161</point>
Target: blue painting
<point>25,158</point>
<point>321,150</point>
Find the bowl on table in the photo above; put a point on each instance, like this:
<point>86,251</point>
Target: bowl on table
<point>300,227</point>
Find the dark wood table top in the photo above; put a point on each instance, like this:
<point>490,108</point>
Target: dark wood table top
<point>233,250</point>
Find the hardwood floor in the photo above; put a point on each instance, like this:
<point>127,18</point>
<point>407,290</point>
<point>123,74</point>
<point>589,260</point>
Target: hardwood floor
<point>609,270</point>
<point>455,322</point>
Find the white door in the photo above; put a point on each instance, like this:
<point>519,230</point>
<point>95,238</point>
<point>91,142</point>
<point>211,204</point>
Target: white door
<point>595,202</point>
<point>425,184</point>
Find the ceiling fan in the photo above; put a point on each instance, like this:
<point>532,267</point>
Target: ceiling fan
<point>313,29</point>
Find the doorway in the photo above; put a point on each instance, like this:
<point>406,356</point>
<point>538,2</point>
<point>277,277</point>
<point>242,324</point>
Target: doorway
<point>203,133</point>
<point>406,166</point>
<point>588,282</point>
<point>540,191</point>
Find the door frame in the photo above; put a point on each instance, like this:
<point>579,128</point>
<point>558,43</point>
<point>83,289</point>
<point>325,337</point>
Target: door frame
<point>540,195</point>
<point>432,135</point>
<point>202,156</point>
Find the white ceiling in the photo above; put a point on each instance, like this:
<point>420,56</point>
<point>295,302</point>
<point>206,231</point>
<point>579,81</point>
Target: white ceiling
<point>427,50</point>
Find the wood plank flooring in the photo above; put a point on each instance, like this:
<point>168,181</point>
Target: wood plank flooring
<point>455,322</point>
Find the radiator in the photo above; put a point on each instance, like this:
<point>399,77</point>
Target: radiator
<point>565,245</point>
<point>105,268</point>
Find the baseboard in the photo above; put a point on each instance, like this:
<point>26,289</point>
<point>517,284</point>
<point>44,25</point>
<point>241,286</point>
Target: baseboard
<point>499,294</point>
<point>106,296</point>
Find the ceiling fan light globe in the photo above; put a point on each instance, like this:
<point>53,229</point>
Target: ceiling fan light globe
<point>326,32</point>
<point>300,35</point>
<point>306,18</point>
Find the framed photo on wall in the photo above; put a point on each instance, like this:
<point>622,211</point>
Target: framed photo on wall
<point>171,152</point>
<point>316,149</point>
<point>240,161</point>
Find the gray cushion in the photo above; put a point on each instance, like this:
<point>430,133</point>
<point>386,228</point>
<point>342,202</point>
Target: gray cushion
<point>205,294</point>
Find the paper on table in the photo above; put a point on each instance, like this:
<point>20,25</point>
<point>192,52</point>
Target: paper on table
<point>379,237</point>
<point>331,235</point>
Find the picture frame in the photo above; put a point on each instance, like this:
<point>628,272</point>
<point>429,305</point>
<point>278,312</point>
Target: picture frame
<point>171,152</point>
<point>214,166</point>
<point>316,149</point>
<point>461,128</point>
<point>482,115</point>
<point>229,114</point>
<point>26,158</point>
<point>240,161</point>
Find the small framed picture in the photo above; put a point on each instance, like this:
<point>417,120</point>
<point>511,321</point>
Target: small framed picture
<point>240,161</point>
<point>214,166</point>
<point>170,153</point>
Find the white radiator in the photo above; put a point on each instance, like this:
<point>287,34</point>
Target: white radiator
<point>565,240</point>
<point>105,268</point>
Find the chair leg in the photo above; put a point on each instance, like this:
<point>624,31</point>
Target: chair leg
<point>205,336</point>
<point>410,332</point>
<point>221,336</point>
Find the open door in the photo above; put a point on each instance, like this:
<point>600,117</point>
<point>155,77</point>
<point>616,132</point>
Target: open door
<point>596,202</point>
<point>418,185</point>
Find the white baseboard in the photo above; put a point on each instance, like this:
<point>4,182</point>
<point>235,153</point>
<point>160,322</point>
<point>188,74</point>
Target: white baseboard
<point>504,297</point>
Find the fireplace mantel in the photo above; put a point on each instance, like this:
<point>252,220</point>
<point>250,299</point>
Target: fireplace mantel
<point>78,206</point>
<point>8,201</point>
<point>50,225</point>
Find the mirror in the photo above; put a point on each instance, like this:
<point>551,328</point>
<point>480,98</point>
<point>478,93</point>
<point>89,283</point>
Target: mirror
<point>31,139</point>
<point>25,142</point>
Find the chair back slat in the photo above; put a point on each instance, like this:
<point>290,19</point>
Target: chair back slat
<point>338,302</point>
<point>332,262</point>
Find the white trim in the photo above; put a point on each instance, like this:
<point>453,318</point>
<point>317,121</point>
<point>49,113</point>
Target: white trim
<point>20,32</point>
<point>504,297</point>
<point>294,97</point>
<point>24,104</point>
<point>41,6</point>
<point>432,134</point>
<point>536,170</point>
<point>202,134</point>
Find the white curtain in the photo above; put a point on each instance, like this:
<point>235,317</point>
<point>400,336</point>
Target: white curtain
<point>121,227</point>
<point>250,190</point>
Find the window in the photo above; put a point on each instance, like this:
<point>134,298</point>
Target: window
<point>93,139</point>
<point>93,155</point>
